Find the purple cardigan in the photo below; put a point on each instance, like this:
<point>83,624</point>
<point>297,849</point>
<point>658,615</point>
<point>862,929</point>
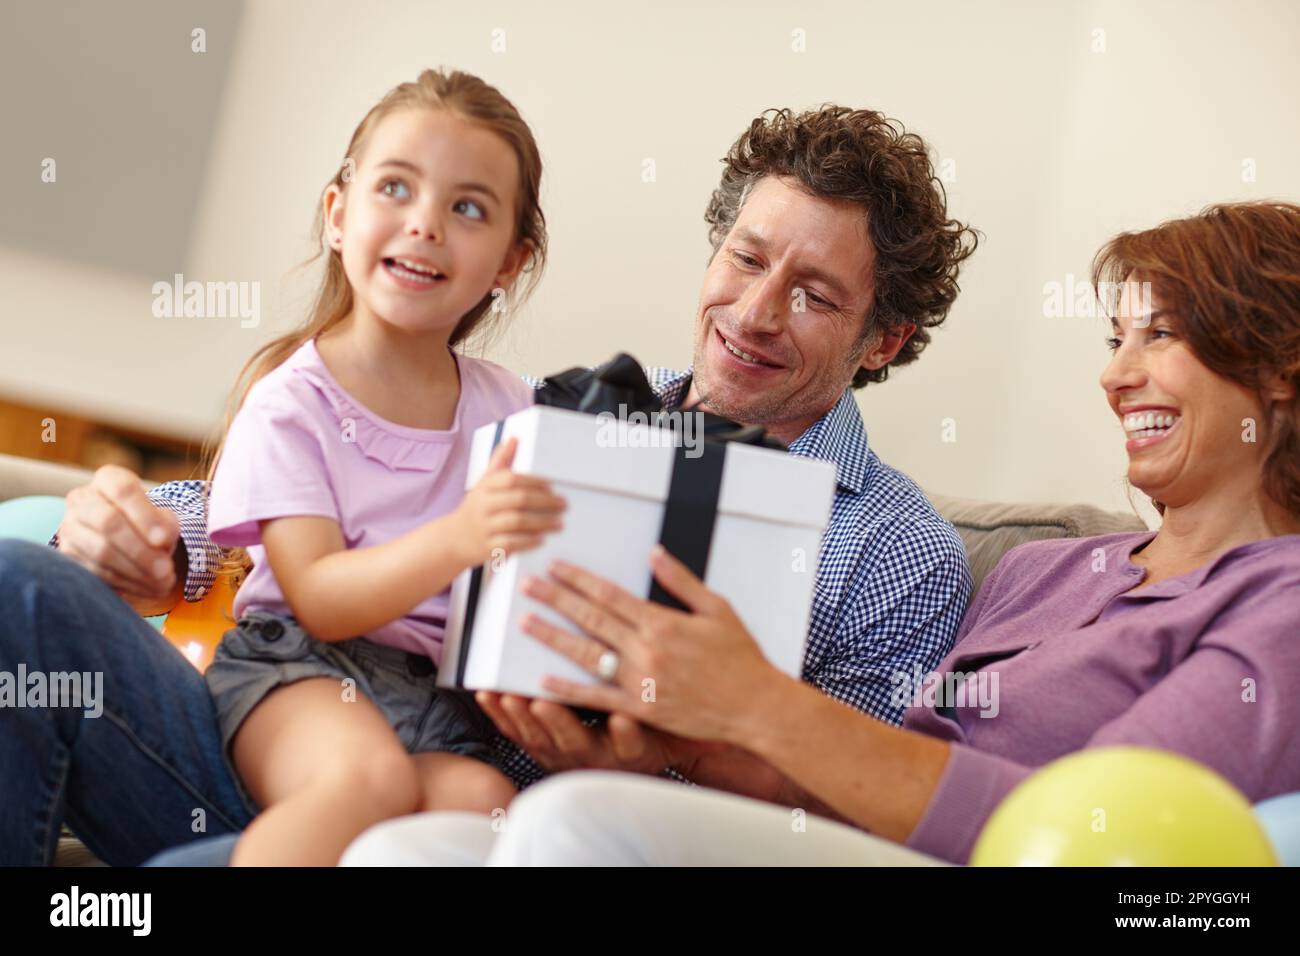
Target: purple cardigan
<point>1206,664</point>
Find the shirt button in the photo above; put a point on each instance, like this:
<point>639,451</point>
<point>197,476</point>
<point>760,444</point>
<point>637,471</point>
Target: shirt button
<point>272,630</point>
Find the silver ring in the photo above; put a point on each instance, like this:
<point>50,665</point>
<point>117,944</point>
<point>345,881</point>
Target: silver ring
<point>607,666</point>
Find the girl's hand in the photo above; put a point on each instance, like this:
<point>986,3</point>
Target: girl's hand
<point>505,512</point>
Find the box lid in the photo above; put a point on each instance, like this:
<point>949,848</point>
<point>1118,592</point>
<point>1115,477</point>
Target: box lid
<point>630,458</point>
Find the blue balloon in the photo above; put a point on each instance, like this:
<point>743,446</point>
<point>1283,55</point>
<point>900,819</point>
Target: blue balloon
<point>1280,817</point>
<point>34,518</point>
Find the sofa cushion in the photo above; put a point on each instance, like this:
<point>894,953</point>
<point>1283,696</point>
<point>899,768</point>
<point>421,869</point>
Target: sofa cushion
<point>990,529</point>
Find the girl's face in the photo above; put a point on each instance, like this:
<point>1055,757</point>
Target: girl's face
<point>426,227</point>
<point>1189,431</point>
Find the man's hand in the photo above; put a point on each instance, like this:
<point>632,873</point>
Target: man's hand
<point>114,530</point>
<point>554,737</point>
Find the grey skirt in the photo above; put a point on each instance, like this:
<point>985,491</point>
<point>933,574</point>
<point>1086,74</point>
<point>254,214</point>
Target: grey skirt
<point>264,651</point>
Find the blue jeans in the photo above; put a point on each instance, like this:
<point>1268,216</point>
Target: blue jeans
<point>148,772</point>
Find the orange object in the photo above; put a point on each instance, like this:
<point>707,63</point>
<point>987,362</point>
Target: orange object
<point>195,629</point>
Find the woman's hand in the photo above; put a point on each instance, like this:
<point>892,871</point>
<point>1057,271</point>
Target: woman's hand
<point>699,675</point>
<point>505,512</point>
<point>554,736</point>
<point>114,530</point>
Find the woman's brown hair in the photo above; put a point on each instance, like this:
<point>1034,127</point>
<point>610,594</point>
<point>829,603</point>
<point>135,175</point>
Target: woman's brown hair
<point>469,98</point>
<point>1230,277</point>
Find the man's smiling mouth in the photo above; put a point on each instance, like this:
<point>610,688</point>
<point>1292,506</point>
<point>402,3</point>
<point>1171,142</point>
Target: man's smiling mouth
<point>745,356</point>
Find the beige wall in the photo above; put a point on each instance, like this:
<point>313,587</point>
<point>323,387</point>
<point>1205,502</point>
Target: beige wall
<point>1054,147</point>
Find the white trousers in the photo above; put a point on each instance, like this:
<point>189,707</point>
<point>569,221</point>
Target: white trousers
<point>600,818</point>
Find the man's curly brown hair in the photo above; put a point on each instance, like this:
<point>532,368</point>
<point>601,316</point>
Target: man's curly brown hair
<point>864,157</point>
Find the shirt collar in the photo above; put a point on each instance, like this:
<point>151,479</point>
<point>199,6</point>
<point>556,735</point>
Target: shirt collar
<point>669,385</point>
<point>1190,580</point>
<point>838,436</point>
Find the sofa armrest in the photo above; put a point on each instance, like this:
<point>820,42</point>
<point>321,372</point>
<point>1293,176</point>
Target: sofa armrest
<point>20,477</point>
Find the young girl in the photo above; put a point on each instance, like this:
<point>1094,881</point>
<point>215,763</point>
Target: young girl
<point>343,474</point>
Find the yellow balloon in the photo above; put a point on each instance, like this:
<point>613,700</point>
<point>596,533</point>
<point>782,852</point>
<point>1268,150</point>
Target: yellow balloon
<point>1124,806</point>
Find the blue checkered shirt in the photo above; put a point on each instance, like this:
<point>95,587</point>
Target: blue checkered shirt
<point>892,580</point>
<point>202,557</point>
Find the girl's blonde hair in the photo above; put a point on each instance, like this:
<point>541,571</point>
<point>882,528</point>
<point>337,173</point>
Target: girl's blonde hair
<point>469,98</point>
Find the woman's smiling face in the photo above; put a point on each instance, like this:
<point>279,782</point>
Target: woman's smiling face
<point>1190,432</point>
<point>427,226</point>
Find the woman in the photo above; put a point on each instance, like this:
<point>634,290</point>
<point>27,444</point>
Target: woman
<point>1186,638</point>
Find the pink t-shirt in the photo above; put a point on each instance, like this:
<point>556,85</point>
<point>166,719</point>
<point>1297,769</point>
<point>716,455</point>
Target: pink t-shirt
<point>301,445</point>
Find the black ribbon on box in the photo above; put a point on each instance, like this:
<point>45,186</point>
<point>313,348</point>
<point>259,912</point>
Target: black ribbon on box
<point>619,387</point>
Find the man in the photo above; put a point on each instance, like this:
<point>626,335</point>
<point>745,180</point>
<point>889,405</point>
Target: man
<point>833,258</point>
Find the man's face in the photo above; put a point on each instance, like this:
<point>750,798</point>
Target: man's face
<point>791,287</point>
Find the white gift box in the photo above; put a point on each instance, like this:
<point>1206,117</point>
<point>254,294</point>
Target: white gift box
<point>750,518</point>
